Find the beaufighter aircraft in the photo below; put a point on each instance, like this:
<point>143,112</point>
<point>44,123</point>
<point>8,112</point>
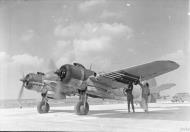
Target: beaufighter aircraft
<point>75,79</point>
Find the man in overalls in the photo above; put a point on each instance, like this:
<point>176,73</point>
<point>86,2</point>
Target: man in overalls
<point>145,94</point>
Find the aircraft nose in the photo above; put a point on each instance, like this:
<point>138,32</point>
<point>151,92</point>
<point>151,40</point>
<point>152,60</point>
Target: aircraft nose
<point>62,72</point>
<point>25,80</point>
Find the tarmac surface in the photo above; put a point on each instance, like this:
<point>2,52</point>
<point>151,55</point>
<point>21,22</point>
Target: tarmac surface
<point>162,117</point>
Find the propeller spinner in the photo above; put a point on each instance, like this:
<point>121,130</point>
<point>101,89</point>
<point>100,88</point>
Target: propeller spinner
<point>61,72</point>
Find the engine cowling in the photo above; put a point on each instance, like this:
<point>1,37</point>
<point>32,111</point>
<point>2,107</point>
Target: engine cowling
<point>75,75</point>
<point>33,80</point>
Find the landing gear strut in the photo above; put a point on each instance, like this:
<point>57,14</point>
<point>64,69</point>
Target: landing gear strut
<point>82,107</point>
<point>43,106</point>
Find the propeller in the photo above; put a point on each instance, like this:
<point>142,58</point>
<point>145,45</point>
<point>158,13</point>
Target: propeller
<point>58,93</point>
<point>51,65</point>
<point>90,66</point>
<point>20,95</point>
<point>21,90</point>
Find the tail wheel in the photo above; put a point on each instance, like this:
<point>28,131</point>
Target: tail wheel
<point>82,109</point>
<point>43,107</point>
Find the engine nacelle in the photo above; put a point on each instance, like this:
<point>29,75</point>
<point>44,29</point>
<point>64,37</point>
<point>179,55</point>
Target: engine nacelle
<point>74,75</point>
<point>34,77</point>
<point>34,81</point>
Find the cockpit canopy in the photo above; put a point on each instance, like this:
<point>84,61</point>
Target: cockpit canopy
<point>79,65</point>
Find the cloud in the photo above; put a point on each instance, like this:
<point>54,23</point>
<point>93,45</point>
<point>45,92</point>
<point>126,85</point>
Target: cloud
<point>27,60</point>
<point>61,61</point>
<point>89,30</point>
<point>89,4</point>
<point>128,4</point>
<point>12,69</point>
<point>93,43</point>
<point>63,52</point>
<point>4,58</point>
<point>22,62</point>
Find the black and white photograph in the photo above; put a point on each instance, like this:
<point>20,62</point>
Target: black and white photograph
<point>95,65</point>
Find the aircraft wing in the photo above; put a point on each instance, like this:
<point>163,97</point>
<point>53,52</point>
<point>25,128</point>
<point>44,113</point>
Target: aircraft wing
<point>141,72</point>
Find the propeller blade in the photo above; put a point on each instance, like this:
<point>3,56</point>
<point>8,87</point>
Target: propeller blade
<point>20,95</point>
<point>52,66</point>
<point>58,93</point>
<point>90,66</point>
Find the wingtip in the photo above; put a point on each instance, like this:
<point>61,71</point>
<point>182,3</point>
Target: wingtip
<point>171,63</point>
<point>175,64</point>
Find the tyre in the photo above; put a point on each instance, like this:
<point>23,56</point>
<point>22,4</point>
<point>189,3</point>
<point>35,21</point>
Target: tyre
<point>124,92</point>
<point>43,107</point>
<point>80,109</point>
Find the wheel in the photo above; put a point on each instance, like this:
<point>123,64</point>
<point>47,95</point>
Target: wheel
<point>43,107</point>
<point>80,109</point>
<point>124,92</point>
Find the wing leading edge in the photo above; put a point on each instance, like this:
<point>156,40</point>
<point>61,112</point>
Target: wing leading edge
<point>142,72</point>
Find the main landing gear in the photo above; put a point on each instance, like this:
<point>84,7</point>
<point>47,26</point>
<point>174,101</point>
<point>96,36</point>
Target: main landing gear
<point>43,106</point>
<point>82,107</point>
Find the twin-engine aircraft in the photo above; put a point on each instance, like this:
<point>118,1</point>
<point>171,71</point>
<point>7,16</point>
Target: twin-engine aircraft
<point>75,79</point>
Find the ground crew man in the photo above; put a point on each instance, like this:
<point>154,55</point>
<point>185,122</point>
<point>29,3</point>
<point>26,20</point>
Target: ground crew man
<point>145,94</point>
<point>130,97</point>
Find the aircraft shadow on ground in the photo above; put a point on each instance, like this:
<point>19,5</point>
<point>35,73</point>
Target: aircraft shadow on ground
<point>177,114</point>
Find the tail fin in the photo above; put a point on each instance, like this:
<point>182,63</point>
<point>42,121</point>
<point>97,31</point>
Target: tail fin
<point>155,92</point>
<point>162,87</point>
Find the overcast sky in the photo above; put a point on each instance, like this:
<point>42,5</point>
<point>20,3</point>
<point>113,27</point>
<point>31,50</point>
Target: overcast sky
<point>109,34</point>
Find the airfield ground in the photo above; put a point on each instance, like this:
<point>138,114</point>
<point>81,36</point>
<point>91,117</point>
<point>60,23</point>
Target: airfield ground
<point>162,117</point>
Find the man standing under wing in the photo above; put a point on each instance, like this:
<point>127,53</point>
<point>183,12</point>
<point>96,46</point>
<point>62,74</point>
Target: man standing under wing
<point>145,94</point>
<point>129,91</point>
